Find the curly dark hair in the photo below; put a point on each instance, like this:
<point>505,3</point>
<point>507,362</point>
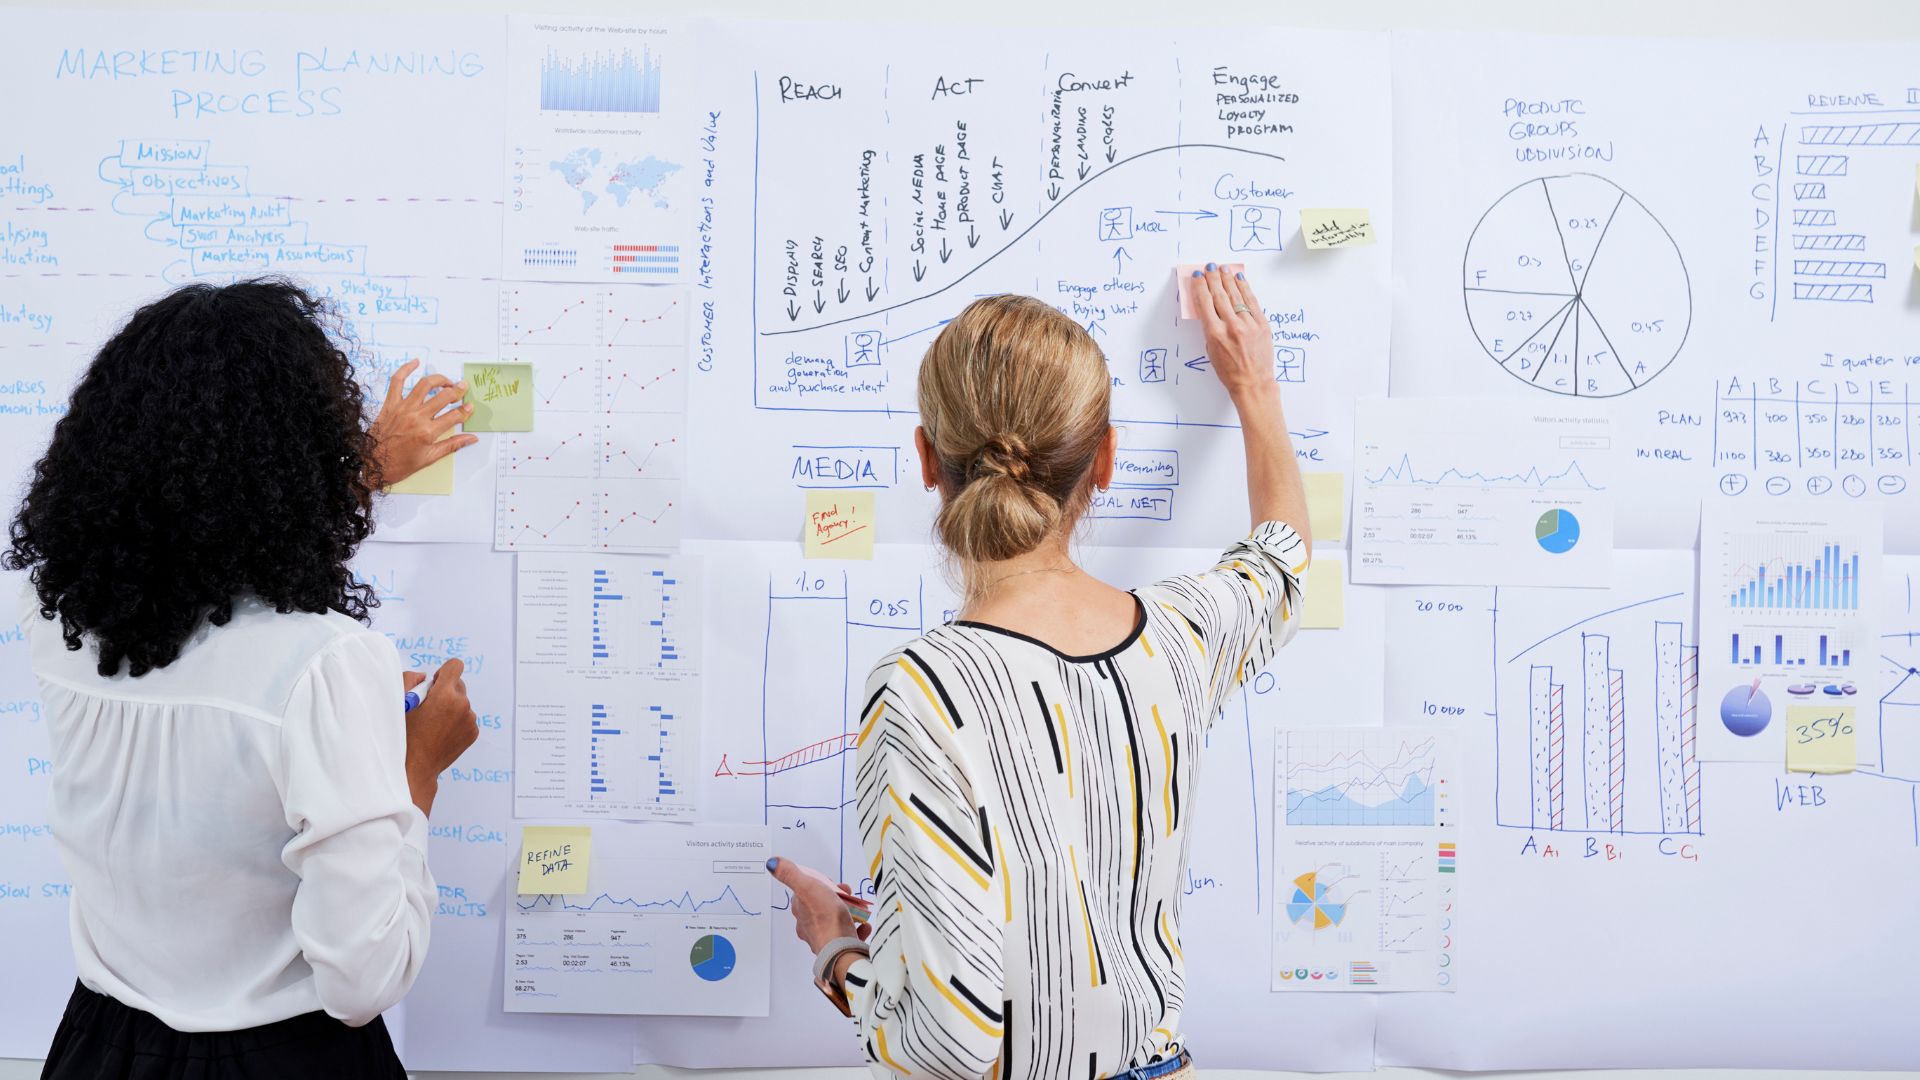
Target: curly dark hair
<point>216,448</point>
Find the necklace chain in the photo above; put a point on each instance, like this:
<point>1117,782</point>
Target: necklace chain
<point>996,582</point>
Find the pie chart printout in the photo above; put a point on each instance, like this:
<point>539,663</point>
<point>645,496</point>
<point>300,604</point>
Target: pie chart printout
<point>1574,287</point>
<point>1557,531</point>
<point>1746,711</point>
<point>712,958</point>
<point>1311,906</point>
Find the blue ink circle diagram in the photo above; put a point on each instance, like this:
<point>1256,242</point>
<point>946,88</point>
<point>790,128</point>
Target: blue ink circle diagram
<point>1746,711</point>
<point>712,958</point>
<point>1557,531</point>
<point>1574,287</point>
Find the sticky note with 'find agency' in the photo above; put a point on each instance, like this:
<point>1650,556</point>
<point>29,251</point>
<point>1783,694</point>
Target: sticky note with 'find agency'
<point>553,859</point>
<point>839,525</point>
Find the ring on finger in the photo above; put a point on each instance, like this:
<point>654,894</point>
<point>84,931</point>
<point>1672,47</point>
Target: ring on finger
<point>1242,309</point>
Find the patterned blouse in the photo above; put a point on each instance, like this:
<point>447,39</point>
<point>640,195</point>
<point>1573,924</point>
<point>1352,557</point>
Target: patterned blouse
<point>1026,817</point>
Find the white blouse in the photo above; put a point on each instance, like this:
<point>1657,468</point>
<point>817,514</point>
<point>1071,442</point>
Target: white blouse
<point>237,825</point>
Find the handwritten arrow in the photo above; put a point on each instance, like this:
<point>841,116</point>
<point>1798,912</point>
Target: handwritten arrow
<point>1006,219</point>
<point>1053,191</point>
<point>945,251</point>
<point>1112,152</point>
<point>1197,215</point>
<point>1119,254</point>
<point>918,270</point>
<point>1200,363</point>
<point>1083,170</point>
<point>841,293</point>
<point>1094,327</point>
<point>872,290</point>
<point>819,302</point>
<point>972,237</point>
<point>793,311</point>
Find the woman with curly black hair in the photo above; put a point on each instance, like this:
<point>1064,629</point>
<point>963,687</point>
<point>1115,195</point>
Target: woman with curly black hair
<point>239,791</point>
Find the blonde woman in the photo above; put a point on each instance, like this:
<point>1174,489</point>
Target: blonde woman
<point>1026,772</point>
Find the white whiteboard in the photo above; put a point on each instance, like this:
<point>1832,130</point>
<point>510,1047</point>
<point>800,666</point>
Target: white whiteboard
<point>1370,617</point>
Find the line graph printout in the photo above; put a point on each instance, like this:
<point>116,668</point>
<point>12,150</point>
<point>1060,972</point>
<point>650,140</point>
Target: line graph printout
<point>1481,492</point>
<point>1366,776</point>
<point>673,921</point>
<point>1364,912</point>
<point>597,149</point>
<point>607,685</point>
<point>1790,598</point>
<point>1081,172</point>
<point>604,467</point>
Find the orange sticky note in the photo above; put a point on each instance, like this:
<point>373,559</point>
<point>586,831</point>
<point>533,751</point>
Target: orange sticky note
<point>1184,281</point>
<point>839,525</point>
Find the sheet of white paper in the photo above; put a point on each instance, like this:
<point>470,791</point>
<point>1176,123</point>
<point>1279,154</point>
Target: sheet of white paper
<point>1481,492</point>
<point>607,718</point>
<point>1742,311</point>
<point>1790,614</point>
<point>1732,840</point>
<point>1365,860</point>
<point>604,466</point>
<point>598,143</point>
<point>438,602</point>
<point>858,206</point>
<point>674,921</point>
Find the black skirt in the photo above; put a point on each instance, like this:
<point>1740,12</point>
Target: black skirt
<point>101,1039</point>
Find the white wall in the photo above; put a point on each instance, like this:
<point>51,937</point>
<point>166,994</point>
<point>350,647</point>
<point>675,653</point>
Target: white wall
<point>1789,19</point>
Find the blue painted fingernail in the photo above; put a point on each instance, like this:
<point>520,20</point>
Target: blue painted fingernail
<point>1209,266</point>
<point>773,863</point>
<point>1240,276</point>
<point>1196,273</point>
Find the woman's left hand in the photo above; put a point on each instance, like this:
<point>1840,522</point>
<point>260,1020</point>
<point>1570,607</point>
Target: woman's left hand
<point>819,905</point>
<point>412,431</point>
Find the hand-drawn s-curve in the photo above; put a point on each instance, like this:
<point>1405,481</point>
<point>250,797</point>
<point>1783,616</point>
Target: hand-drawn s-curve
<point>1022,234</point>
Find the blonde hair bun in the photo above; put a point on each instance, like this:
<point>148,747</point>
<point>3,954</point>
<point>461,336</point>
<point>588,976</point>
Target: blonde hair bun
<point>1014,398</point>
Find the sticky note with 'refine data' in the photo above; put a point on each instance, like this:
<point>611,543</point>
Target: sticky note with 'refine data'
<point>1184,281</point>
<point>1326,586</point>
<point>1326,504</point>
<point>435,479</point>
<point>553,858</point>
<point>1820,738</point>
<point>1336,228</point>
<point>501,396</point>
<point>839,525</point>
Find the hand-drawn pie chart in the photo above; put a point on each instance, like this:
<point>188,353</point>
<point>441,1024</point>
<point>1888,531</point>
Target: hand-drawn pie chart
<point>1574,287</point>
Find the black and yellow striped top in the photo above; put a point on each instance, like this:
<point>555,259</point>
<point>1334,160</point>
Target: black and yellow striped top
<point>1026,817</point>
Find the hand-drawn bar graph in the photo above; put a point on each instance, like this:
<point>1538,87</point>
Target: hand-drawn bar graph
<point>1633,707</point>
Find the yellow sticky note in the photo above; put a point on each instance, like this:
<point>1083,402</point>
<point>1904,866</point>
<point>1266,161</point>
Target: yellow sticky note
<point>553,858</point>
<point>435,479</point>
<point>1820,738</point>
<point>1326,504</point>
<point>501,396</point>
<point>1336,228</point>
<point>839,525</point>
<point>1326,595</point>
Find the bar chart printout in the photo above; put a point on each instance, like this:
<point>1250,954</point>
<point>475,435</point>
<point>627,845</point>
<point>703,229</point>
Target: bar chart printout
<point>673,921</point>
<point>606,686</point>
<point>1788,613</point>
